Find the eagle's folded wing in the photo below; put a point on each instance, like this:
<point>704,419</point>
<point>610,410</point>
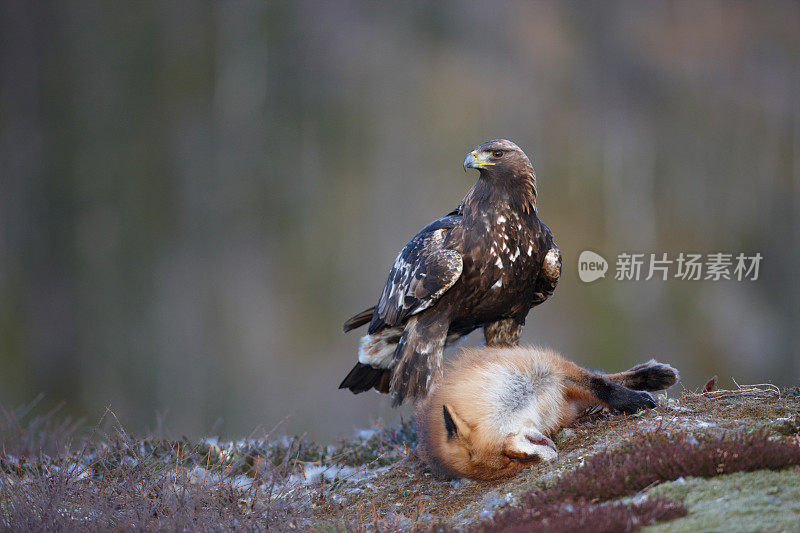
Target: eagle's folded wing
<point>549,274</point>
<point>422,272</point>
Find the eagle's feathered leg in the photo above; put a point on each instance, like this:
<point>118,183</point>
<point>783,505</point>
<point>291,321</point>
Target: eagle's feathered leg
<point>418,359</point>
<point>504,332</point>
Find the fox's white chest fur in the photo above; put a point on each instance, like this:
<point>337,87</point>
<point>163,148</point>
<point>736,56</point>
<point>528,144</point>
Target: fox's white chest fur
<point>519,396</point>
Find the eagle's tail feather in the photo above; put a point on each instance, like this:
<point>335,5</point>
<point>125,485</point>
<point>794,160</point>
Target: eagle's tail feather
<point>359,320</point>
<point>364,377</point>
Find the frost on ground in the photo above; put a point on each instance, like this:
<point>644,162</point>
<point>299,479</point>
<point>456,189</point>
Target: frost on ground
<point>371,482</point>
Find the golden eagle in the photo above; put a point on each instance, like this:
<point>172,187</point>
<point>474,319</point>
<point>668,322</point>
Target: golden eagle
<point>485,264</point>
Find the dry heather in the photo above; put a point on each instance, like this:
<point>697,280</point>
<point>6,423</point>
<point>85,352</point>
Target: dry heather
<point>53,477</point>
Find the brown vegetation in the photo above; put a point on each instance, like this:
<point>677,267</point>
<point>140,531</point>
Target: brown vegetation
<point>52,476</point>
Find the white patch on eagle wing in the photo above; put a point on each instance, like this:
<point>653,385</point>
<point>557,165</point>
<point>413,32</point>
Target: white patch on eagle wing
<point>498,283</point>
<point>404,272</point>
<point>530,249</point>
<point>375,350</point>
<point>455,257</point>
<point>501,219</point>
<point>499,263</point>
<point>551,268</point>
<point>551,259</point>
<point>437,236</point>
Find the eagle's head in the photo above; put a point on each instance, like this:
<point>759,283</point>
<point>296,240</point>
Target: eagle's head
<point>498,157</point>
<point>502,163</point>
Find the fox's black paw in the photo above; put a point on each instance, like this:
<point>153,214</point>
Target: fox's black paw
<point>652,376</point>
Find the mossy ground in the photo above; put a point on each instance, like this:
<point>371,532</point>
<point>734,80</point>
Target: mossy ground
<point>745,501</point>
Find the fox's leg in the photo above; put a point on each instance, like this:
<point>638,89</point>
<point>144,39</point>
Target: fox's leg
<point>585,388</point>
<point>649,376</point>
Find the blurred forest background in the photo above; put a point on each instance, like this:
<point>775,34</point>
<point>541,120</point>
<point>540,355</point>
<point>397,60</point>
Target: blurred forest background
<point>195,196</point>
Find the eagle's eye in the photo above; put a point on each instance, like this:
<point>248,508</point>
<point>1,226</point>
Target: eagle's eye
<point>497,153</point>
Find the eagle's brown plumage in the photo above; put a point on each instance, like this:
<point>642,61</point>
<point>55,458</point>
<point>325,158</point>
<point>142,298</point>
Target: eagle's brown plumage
<point>485,264</point>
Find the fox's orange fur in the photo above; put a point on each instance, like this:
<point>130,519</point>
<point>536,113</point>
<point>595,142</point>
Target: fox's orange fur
<point>496,408</point>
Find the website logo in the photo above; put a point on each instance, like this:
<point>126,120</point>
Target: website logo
<point>683,266</point>
<point>591,266</point>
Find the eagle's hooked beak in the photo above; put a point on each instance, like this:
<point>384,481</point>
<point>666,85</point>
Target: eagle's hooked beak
<point>476,159</point>
<point>469,161</point>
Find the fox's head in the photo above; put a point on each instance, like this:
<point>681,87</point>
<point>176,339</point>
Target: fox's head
<point>452,447</point>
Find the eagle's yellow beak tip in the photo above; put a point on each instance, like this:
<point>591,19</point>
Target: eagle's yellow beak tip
<point>470,161</point>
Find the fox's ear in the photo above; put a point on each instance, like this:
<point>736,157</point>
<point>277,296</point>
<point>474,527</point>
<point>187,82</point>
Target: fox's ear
<point>453,423</point>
